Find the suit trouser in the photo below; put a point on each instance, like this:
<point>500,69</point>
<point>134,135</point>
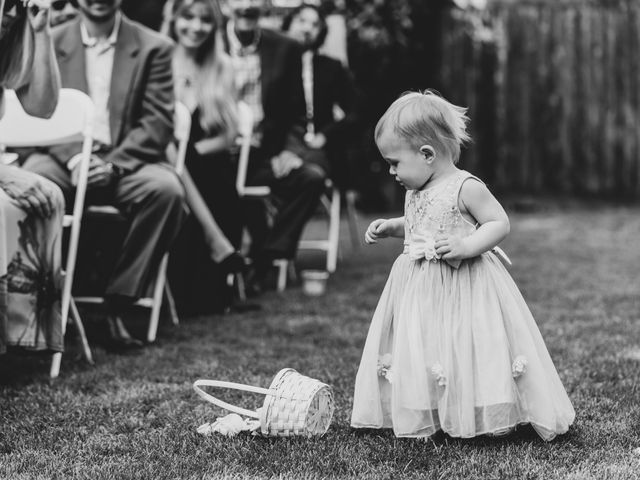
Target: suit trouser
<point>295,197</point>
<point>152,200</point>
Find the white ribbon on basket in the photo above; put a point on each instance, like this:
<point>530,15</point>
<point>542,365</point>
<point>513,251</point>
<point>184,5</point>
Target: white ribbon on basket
<point>229,426</point>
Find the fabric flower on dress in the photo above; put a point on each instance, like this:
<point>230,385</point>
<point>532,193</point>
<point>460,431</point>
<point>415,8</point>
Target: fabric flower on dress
<point>519,366</point>
<point>438,372</point>
<point>422,245</point>
<point>384,367</point>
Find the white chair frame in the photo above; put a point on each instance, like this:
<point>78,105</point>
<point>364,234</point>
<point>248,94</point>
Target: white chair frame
<point>182,129</point>
<point>70,122</point>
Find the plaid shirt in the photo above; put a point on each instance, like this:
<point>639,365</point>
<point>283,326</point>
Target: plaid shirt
<point>246,63</point>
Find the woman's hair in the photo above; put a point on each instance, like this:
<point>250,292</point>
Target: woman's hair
<point>214,83</point>
<point>427,118</point>
<point>324,29</point>
<point>17,47</point>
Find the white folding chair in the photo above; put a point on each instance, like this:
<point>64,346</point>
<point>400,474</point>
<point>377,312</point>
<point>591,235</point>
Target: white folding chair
<point>70,122</point>
<point>245,121</point>
<point>245,130</point>
<point>182,128</point>
<point>331,202</point>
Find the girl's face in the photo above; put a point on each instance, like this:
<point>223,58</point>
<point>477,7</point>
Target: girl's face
<point>407,164</point>
<point>194,25</point>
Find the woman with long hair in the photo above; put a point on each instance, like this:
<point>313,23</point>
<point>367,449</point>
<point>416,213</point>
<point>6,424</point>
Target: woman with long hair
<point>204,82</point>
<point>31,207</point>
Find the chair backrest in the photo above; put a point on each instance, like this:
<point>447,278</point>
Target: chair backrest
<point>245,128</point>
<point>181,131</point>
<point>70,122</point>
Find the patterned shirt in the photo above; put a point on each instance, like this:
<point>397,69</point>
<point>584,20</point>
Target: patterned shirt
<point>246,63</point>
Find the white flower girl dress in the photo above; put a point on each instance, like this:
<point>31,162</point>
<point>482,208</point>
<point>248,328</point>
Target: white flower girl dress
<point>453,346</point>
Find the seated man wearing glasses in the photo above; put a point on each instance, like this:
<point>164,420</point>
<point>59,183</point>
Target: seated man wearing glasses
<point>126,69</point>
<point>268,77</point>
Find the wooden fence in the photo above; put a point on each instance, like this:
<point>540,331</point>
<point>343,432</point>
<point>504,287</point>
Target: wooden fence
<point>553,90</point>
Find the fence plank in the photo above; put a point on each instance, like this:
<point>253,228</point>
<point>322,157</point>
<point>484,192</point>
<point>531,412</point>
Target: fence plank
<point>564,90</point>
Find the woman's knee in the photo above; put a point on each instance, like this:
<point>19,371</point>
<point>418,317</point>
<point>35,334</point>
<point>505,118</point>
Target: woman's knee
<point>56,197</point>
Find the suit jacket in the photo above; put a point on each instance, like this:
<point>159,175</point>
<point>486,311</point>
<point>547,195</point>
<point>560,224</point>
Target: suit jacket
<point>333,85</point>
<point>281,89</point>
<point>141,99</point>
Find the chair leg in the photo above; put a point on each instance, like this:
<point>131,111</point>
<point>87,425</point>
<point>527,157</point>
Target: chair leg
<point>55,365</point>
<point>172,304</point>
<point>157,301</point>
<point>282,274</point>
<point>334,231</point>
<point>75,316</point>
<point>352,215</point>
<point>66,298</point>
<point>242,293</point>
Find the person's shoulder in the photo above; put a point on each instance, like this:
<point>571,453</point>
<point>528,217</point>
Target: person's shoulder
<point>471,187</point>
<point>147,36</point>
<point>327,60</point>
<point>329,64</point>
<point>273,36</point>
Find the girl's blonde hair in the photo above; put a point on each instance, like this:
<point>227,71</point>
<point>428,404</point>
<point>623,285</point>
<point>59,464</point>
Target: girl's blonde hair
<point>427,118</point>
<point>214,84</point>
<point>17,45</point>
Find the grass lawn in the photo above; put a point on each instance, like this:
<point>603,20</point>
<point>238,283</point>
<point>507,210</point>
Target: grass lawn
<point>135,416</point>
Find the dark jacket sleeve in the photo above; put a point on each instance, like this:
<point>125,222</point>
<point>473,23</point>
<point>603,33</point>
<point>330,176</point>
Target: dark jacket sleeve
<point>285,109</point>
<point>152,129</point>
<point>346,98</point>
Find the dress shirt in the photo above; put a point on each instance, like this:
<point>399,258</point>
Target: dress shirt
<point>99,52</point>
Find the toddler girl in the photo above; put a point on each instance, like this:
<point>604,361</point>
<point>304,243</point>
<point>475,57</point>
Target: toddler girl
<point>452,345</point>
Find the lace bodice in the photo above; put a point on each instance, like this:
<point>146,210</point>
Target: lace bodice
<point>434,211</point>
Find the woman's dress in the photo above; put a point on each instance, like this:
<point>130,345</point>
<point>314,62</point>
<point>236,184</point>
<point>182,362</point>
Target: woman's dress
<point>199,285</point>
<point>30,276</point>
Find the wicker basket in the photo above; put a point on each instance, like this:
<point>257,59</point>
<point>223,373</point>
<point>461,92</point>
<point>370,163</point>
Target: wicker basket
<point>293,404</point>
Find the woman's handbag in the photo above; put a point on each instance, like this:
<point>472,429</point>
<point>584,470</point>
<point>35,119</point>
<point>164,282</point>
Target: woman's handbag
<point>294,404</point>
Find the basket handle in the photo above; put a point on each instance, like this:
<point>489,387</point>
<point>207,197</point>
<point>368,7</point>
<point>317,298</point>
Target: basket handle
<point>235,386</point>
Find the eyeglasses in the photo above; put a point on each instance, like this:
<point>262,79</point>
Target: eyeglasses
<point>58,4</point>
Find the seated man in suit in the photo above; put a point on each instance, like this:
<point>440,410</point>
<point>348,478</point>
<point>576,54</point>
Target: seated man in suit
<point>268,76</point>
<point>329,93</point>
<point>126,69</point>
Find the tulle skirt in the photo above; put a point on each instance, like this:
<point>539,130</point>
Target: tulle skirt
<point>456,350</point>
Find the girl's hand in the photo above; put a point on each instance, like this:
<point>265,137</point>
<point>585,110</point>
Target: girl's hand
<point>452,248</point>
<point>380,228</point>
<point>38,12</point>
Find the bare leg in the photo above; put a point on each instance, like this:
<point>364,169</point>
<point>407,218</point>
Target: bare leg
<point>217,241</point>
